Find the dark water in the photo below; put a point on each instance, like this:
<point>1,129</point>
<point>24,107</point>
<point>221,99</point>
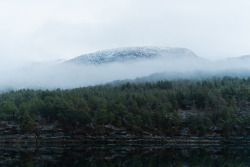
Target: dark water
<point>121,156</point>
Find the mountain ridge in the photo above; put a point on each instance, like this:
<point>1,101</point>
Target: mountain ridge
<point>132,53</point>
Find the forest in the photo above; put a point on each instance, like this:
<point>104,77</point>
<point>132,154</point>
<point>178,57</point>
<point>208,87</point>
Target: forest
<point>215,106</point>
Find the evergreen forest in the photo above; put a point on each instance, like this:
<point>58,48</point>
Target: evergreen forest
<point>215,106</point>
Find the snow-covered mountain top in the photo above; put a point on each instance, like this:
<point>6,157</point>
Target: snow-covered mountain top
<point>131,53</point>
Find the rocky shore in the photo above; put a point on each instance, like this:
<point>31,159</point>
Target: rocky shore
<point>119,139</point>
<point>10,133</point>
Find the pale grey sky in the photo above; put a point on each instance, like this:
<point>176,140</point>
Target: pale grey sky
<point>42,30</point>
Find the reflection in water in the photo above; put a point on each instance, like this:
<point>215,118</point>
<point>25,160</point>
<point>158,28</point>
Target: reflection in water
<point>137,156</point>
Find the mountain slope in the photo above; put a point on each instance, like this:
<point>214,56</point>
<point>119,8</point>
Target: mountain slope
<point>131,53</point>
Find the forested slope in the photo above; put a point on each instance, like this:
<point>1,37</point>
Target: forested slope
<point>212,107</point>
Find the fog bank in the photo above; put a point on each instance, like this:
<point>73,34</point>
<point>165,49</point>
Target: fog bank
<point>52,75</point>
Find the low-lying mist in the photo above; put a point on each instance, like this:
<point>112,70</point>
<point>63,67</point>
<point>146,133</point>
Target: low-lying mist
<point>66,75</point>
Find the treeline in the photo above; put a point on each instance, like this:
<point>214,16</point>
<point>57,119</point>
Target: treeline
<point>191,107</point>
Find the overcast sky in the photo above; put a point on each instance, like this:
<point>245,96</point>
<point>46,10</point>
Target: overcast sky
<point>42,30</point>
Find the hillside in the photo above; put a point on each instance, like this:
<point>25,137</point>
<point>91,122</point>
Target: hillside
<point>131,54</point>
<point>184,108</point>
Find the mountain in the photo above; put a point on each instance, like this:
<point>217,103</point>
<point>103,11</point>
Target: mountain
<point>245,57</point>
<point>241,58</point>
<point>132,53</point>
<point>140,64</point>
<point>241,62</point>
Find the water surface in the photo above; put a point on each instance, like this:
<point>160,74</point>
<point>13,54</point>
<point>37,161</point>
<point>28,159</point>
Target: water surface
<point>116,155</point>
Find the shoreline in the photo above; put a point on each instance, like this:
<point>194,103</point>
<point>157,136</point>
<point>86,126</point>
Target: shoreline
<point>23,139</point>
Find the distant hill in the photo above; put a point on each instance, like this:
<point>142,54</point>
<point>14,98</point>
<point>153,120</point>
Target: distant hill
<point>132,53</point>
<point>242,62</point>
<point>244,57</point>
